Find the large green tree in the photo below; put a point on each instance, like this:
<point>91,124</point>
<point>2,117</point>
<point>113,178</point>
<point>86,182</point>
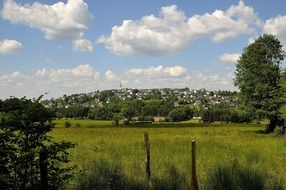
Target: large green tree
<point>283,107</point>
<point>29,157</point>
<point>257,76</point>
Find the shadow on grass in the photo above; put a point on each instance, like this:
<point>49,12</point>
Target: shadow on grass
<point>107,175</point>
<point>261,132</point>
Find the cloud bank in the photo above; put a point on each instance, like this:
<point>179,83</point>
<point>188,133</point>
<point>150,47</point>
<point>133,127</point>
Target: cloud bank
<point>57,21</point>
<point>85,78</point>
<point>172,31</point>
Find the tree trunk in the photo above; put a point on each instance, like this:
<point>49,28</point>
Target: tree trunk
<point>272,125</point>
<point>283,130</point>
<point>44,169</point>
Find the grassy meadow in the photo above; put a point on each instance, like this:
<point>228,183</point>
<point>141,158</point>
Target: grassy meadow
<point>217,144</point>
<point>82,122</point>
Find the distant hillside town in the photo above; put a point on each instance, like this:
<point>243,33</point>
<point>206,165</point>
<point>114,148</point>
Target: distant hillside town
<point>179,96</point>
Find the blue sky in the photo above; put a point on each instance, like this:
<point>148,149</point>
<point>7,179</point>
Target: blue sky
<point>75,46</point>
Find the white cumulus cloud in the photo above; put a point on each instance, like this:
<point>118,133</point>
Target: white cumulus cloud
<point>172,31</point>
<point>10,46</point>
<point>157,77</point>
<point>56,21</point>
<point>159,72</point>
<point>111,77</point>
<point>83,78</point>
<point>277,27</point>
<point>213,81</point>
<point>229,58</point>
<point>82,45</point>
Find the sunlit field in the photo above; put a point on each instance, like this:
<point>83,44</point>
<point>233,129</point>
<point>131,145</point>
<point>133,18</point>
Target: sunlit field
<point>217,144</point>
<point>82,122</point>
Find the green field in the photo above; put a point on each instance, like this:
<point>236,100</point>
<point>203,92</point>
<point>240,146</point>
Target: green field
<point>217,144</point>
<point>98,123</point>
<point>82,122</point>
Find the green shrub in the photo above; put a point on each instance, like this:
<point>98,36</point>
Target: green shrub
<point>180,114</point>
<point>116,120</point>
<point>279,131</point>
<point>226,114</point>
<point>67,124</point>
<point>146,118</point>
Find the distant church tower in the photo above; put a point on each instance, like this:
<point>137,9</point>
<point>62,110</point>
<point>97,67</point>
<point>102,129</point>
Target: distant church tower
<point>120,85</point>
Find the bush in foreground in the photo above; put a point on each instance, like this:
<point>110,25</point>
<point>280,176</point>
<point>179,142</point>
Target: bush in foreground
<point>29,157</point>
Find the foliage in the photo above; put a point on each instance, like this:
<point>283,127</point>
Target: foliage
<point>24,138</point>
<point>257,77</point>
<point>116,120</point>
<point>100,113</point>
<point>104,95</point>
<point>114,108</point>
<point>226,114</point>
<point>75,111</point>
<point>147,118</point>
<point>226,93</point>
<point>128,113</point>
<point>67,124</point>
<point>181,114</point>
<point>283,86</point>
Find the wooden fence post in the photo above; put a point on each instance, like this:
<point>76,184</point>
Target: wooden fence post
<point>194,180</point>
<point>147,156</point>
<point>44,168</point>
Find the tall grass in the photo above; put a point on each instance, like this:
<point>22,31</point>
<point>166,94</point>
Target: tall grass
<point>217,145</point>
<point>103,175</point>
<point>107,175</point>
<point>238,177</point>
<point>171,179</point>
